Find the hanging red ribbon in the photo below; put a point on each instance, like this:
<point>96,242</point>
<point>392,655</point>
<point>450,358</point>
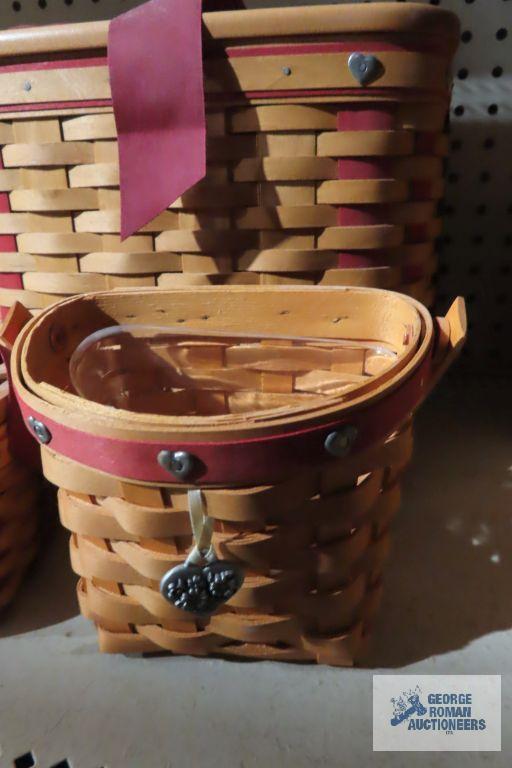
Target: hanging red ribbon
<point>156,77</point>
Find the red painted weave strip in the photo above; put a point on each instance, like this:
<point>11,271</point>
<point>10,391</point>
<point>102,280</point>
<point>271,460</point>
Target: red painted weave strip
<point>363,168</point>
<point>49,105</point>
<point>7,242</point>
<point>362,260</point>
<point>96,59</point>
<point>212,98</point>
<point>417,233</point>
<point>420,189</point>
<point>10,279</point>
<point>71,63</point>
<point>426,142</point>
<point>362,215</point>
<point>20,442</point>
<point>412,273</point>
<point>256,461</point>
<point>392,93</point>
<point>361,117</point>
<point>364,117</point>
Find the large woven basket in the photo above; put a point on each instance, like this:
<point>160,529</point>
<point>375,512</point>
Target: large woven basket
<point>312,176</point>
<point>298,452</point>
<point>19,508</point>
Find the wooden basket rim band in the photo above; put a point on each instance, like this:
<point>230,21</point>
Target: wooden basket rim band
<point>349,19</point>
<point>322,74</point>
<point>129,426</point>
<point>255,461</point>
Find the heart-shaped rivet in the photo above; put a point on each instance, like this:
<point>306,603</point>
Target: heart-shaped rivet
<point>201,589</point>
<point>365,68</point>
<point>340,443</point>
<point>178,463</point>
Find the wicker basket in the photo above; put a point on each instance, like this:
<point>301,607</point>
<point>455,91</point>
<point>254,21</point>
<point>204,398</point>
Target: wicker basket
<point>19,492</point>
<point>298,453</point>
<point>312,176</point>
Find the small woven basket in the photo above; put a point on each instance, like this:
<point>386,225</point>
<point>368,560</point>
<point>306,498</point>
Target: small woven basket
<point>315,174</point>
<point>298,452</point>
<point>19,496</point>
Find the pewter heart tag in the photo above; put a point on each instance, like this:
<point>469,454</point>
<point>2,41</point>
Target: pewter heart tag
<point>365,68</point>
<point>201,589</point>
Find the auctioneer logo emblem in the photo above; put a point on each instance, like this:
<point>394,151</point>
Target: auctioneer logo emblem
<point>406,705</point>
<point>437,713</point>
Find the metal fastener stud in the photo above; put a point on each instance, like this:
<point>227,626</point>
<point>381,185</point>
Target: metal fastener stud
<point>340,443</point>
<point>178,463</point>
<point>41,431</point>
<point>287,71</point>
<point>365,68</point>
<point>27,86</point>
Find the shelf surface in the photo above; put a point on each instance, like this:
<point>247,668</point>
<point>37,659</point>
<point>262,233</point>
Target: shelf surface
<point>446,609</point>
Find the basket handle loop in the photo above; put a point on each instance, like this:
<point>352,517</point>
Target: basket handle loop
<point>451,332</point>
<point>22,443</point>
<point>15,320</point>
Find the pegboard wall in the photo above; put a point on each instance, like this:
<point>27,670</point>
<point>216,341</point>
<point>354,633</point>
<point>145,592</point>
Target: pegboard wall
<point>476,246</point>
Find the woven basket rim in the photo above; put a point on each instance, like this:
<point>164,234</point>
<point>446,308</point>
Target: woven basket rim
<point>351,19</point>
<point>128,422</point>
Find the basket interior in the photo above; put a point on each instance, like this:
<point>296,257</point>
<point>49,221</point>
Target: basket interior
<point>204,353</point>
<point>164,372</point>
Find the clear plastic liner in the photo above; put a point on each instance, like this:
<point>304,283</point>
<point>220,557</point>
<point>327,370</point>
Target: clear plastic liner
<point>174,370</point>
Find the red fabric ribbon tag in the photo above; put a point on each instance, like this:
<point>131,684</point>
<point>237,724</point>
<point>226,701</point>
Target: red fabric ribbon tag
<point>156,76</point>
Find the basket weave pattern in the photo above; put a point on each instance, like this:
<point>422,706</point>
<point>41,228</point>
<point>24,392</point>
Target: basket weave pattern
<point>296,444</point>
<point>18,511</point>
<point>282,183</point>
<point>312,548</point>
<point>312,176</point>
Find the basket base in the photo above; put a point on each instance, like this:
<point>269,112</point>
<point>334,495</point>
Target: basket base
<point>343,650</point>
<point>313,550</point>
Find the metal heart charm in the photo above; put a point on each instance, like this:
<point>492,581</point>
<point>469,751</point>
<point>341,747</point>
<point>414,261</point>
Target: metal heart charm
<point>201,589</point>
<point>365,68</point>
